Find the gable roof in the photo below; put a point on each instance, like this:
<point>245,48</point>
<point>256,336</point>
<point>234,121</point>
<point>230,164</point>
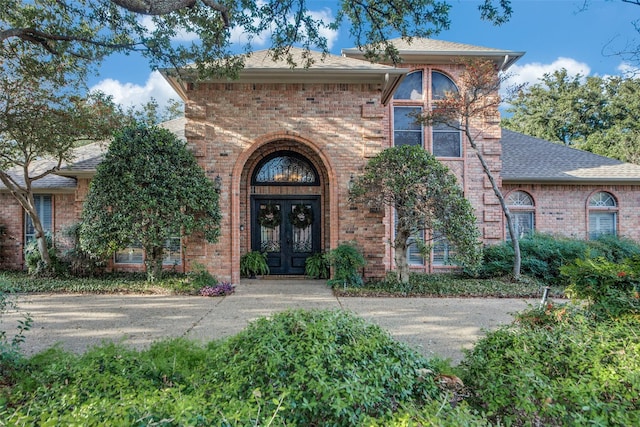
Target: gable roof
<point>424,50</point>
<point>260,67</point>
<point>526,159</point>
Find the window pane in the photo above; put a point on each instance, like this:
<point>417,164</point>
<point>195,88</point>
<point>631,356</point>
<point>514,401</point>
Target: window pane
<point>519,198</point>
<point>601,224</point>
<point>441,85</point>
<point>523,223</point>
<point>172,251</point>
<point>131,255</point>
<point>414,256</point>
<point>446,143</point>
<point>443,252</point>
<point>411,87</point>
<point>602,199</point>
<point>44,209</point>
<point>406,131</point>
<point>286,169</point>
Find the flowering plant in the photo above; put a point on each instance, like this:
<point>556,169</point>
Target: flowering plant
<point>219,290</point>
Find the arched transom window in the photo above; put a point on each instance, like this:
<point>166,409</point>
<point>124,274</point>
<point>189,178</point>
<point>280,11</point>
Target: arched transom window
<point>603,215</point>
<point>522,212</point>
<point>285,169</point>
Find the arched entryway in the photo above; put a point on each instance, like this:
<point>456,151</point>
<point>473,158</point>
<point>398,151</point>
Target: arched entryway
<point>284,205</point>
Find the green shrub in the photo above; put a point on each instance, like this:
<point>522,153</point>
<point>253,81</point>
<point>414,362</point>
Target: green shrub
<point>611,289</point>
<point>565,370</point>
<point>34,262</point>
<point>346,260</point>
<point>319,368</point>
<point>543,255</point>
<point>79,262</point>
<point>317,266</point>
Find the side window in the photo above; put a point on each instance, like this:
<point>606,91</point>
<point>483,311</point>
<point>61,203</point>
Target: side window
<point>523,213</point>
<point>405,129</point>
<point>446,141</point>
<point>130,255</point>
<point>603,215</point>
<point>134,254</point>
<point>442,252</point>
<point>44,207</point>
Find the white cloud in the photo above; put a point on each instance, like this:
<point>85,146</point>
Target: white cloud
<point>181,36</point>
<point>532,73</point>
<point>628,70</point>
<point>324,16</point>
<point>130,94</point>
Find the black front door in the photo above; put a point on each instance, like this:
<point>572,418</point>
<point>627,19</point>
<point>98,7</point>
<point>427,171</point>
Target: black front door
<point>287,229</point>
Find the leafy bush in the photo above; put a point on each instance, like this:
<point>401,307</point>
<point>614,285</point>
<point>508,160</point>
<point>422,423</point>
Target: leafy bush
<point>297,368</point>
<point>543,255</point>
<point>10,358</point>
<point>80,263</point>
<point>34,262</point>
<point>610,289</point>
<point>346,260</point>
<point>317,266</point>
<point>566,370</point>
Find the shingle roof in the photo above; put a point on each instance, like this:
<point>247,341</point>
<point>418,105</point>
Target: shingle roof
<point>262,60</point>
<point>423,50</point>
<point>529,159</point>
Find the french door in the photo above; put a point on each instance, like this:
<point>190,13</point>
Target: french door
<point>287,229</point>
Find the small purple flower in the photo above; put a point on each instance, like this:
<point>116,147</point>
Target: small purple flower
<point>221,289</point>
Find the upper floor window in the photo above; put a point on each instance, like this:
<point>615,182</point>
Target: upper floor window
<point>411,87</point>
<point>522,212</point>
<point>44,208</point>
<point>603,215</point>
<point>285,168</point>
<point>406,130</point>
<point>446,139</point>
<point>441,85</point>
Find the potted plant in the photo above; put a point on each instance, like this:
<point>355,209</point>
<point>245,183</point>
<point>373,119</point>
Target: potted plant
<point>254,264</point>
<point>317,266</point>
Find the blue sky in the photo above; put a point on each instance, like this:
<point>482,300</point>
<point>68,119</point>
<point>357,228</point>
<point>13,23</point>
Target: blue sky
<point>554,34</point>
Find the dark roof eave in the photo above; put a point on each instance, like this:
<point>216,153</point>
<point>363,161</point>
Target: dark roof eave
<point>572,181</point>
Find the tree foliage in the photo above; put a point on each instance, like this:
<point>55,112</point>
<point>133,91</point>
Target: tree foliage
<point>425,196</point>
<point>597,114</point>
<point>148,189</point>
<point>468,110</point>
<point>39,129</point>
<point>69,37</point>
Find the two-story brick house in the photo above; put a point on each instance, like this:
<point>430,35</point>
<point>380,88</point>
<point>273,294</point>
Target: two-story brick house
<point>279,140</point>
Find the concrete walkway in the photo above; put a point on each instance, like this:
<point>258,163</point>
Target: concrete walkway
<point>433,326</point>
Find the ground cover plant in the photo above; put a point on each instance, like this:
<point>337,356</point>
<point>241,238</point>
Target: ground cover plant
<point>557,366</point>
<point>451,285</point>
<point>322,367</point>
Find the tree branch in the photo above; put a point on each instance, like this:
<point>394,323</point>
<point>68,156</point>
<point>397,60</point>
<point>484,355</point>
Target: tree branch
<point>162,7</point>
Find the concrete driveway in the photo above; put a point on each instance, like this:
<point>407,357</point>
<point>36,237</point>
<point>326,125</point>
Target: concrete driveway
<point>433,326</point>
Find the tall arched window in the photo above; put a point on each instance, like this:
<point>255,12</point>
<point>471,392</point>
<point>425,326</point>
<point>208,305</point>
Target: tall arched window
<point>603,215</point>
<point>406,131</point>
<point>522,210</point>
<point>446,140</point>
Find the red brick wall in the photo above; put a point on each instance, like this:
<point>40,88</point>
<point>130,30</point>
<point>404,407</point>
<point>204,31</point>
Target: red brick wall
<point>562,209</point>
